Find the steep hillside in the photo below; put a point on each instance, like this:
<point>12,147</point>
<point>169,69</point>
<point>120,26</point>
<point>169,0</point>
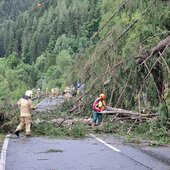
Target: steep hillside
<point>117,47</point>
<point>130,61</point>
<point>112,46</point>
<point>11,9</point>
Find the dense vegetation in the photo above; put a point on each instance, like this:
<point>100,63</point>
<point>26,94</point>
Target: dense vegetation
<point>58,42</point>
<point>42,41</point>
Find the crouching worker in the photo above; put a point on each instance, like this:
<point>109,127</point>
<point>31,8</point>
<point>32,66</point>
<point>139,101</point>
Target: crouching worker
<point>98,106</point>
<point>25,104</point>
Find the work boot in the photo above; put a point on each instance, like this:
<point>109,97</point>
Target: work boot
<point>29,135</point>
<point>17,132</point>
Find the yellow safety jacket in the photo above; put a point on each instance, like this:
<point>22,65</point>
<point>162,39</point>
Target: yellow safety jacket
<point>25,106</point>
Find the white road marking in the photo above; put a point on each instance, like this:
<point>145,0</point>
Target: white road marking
<point>106,144</point>
<point>117,150</point>
<point>3,153</point>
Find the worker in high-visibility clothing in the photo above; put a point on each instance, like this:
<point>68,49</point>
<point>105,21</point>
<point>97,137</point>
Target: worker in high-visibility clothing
<point>56,92</point>
<point>26,105</point>
<point>53,92</point>
<point>38,93</point>
<point>98,106</point>
<point>46,92</point>
<point>67,95</point>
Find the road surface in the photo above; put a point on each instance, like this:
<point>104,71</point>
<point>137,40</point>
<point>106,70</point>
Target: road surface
<point>91,153</point>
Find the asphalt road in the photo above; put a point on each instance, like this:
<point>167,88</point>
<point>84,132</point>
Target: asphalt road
<point>49,104</point>
<point>91,153</point>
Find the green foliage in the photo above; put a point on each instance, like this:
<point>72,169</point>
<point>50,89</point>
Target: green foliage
<point>2,137</point>
<point>66,105</point>
<point>63,59</point>
<point>63,42</point>
<point>4,90</point>
<point>41,63</point>
<point>49,129</point>
<point>77,131</point>
<point>166,20</point>
<point>12,61</point>
<point>153,131</point>
<point>163,112</point>
<point>12,9</point>
<point>27,74</point>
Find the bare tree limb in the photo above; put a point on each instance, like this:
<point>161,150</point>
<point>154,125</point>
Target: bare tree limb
<point>168,69</point>
<point>123,89</point>
<point>158,48</point>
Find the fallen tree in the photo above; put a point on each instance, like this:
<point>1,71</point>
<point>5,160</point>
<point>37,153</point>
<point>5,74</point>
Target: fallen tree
<point>130,114</point>
<point>159,48</point>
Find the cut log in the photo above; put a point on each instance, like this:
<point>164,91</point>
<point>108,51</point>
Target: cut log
<point>120,111</point>
<point>128,114</point>
<point>161,45</point>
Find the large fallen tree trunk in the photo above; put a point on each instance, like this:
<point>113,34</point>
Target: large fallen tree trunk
<point>114,110</point>
<point>156,70</point>
<point>158,48</point>
<point>161,46</point>
<point>126,113</point>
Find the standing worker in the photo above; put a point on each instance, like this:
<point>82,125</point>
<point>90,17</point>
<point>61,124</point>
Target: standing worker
<point>98,106</point>
<point>56,91</point>
<point>46,92</point>
<point>67,95</point>
<point>53,92</point>
<point>38,94</point>
<point>25,104</point>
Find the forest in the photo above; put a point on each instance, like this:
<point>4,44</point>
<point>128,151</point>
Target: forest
<point>119,47</point>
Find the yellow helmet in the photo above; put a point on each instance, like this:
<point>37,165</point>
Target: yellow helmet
<point>102,96</point>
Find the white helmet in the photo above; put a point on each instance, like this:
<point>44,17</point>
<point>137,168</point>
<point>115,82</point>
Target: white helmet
<point>29,93</point>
